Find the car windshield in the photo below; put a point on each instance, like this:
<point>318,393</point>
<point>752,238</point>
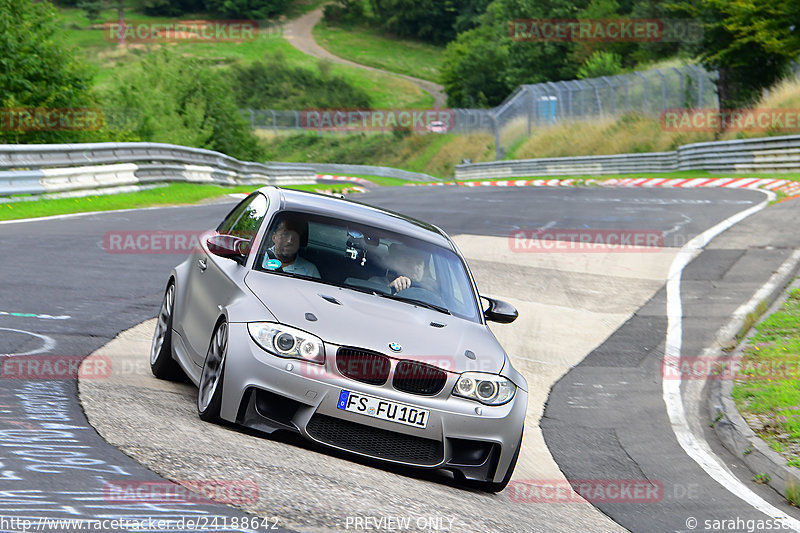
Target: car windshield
<point>368,259</point>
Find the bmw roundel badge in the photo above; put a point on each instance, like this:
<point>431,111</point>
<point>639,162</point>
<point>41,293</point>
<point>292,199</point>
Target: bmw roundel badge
<point>395,347</point>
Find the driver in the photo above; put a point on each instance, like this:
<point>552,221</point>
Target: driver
<point>409,265</point>
<point>285,245</point>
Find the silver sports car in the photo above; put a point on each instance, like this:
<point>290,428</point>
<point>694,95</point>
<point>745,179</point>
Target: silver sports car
<point>359,328</point>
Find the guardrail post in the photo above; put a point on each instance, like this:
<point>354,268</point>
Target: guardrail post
<point>498,150</point>
<point>531,104</point>
<point>612,95</point>
<point>663,89</point>
<point>644,91</point>
<point>681,95</point>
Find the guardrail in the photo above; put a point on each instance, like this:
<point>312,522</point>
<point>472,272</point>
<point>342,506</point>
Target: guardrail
<point>71,168</point>
<point>766,154</point>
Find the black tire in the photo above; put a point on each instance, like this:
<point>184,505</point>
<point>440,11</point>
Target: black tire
<point>209,390</point>
<point>162,365</point>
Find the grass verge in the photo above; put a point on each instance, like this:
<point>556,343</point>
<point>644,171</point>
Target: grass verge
<point>371,47</point>
<point>171,194</point>
<point>767,391</point>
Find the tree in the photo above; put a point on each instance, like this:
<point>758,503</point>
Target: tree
<point>179,100</point>
<point>474,68</point>
<point>430,20</point>
<point>751,43</point>
<point>92,8</point>
<point>250,9</point>
<point>36,71</point>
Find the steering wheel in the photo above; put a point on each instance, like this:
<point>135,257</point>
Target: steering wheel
<point>417,292</point>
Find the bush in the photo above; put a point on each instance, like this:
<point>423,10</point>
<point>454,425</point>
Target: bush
<point>345,12</point>
<point>172,99</point>
<point>272,83</point>
<point>601,64</point>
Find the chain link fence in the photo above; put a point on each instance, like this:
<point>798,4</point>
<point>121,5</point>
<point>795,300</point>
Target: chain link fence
<point>533,106</point>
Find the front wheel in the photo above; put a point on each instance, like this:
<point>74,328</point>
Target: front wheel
<point>209,392</point>
<point>162,365</point>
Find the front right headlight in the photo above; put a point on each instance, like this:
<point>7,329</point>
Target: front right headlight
<point>285,341</point>
<point>489,389</point>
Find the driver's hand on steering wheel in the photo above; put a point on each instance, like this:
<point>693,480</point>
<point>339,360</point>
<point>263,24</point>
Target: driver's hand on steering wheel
<point>400,283</point>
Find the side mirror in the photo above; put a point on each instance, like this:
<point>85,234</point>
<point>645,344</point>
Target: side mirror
<point>229,246</point>
<point>500,311</point>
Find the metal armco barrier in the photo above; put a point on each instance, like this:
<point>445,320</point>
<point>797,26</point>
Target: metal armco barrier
<point>766,154</point>
<point>64,168</point>
<point>369,170</point>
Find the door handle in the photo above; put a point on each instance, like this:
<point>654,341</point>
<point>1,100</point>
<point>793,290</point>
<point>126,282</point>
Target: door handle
<point>202,264</point>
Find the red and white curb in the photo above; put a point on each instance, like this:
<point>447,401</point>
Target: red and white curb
<point>351,179</point>
<point>785,186</point>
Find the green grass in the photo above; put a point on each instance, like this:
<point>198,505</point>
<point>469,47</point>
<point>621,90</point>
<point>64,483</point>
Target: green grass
<point>769,386</point>
<point>172,194</point>
<point>106,58</point>
<point>382,181</point>
<point>373,48</point>
<point>28,206</point>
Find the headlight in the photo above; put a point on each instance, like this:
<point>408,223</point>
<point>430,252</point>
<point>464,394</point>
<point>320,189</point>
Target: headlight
<point>489,389</point>
<point>284,341</point>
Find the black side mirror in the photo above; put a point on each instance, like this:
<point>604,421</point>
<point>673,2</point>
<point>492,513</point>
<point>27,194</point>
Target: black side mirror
<point>229,246</point>
<point>500,311</point>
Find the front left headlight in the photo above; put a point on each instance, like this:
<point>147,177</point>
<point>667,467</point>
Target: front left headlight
<point>285,341</point>
<point>489,389</point>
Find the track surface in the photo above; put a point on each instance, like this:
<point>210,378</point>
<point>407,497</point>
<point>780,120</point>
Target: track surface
<point>60,269</point>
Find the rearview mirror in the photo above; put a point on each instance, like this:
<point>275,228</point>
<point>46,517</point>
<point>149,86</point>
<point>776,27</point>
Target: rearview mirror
<point>500,311</point>
<point>229,246</point>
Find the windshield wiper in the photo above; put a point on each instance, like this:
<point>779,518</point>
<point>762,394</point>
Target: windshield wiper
<point>420,303</point>
<point>359,288</point>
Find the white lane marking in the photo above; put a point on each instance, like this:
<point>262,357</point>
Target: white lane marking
<point>549,363</point>
<point>695,447</point>
<point>47,343</point>
<point>35,315</point>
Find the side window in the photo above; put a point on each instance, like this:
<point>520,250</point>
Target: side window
<point>233,216</point>
<point>245,220</point>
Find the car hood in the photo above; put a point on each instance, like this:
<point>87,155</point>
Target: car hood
<point>350,318</point>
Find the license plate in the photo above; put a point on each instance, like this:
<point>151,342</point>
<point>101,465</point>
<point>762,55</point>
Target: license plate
<point>355,402</point>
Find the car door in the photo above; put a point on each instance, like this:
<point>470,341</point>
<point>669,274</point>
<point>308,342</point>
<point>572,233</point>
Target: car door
<point>214,281</point>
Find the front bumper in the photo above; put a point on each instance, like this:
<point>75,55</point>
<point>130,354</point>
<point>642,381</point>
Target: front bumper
<point>270,393</point>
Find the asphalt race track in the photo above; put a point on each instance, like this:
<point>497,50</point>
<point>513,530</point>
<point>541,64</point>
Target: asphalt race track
<point>592,325</point>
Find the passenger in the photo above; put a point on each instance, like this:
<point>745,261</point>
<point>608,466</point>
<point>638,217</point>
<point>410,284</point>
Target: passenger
<point>286,239</point>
